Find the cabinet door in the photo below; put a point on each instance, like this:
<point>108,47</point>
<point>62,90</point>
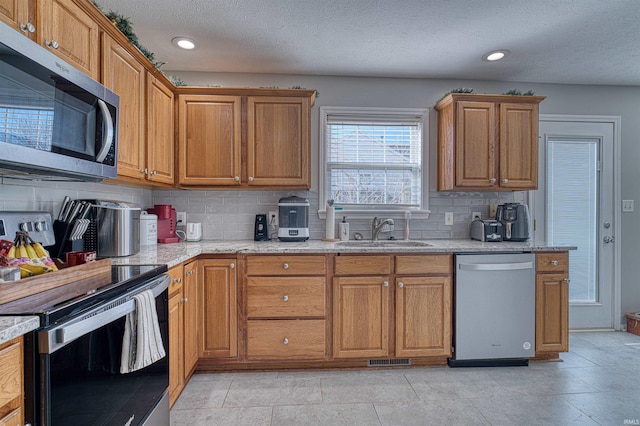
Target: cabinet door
<point>218,308</point>
<point>518,146</point>
<point>70,33</point>
<point>552,313</point>
<point>176,359</point>
<point>423,316</point>
<point>361,317</point>
<point>209,140</point>
<point>124,75</point>
<point>190,335</point>
<point>475,144</point>
<point>15,13</point>
<point>160,137</point>
<point>278,141</point>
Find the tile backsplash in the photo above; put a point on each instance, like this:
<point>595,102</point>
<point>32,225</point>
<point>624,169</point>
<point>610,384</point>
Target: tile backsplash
<point>230,214</point>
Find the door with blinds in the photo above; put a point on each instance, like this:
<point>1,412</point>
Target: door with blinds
<point>574,206</point>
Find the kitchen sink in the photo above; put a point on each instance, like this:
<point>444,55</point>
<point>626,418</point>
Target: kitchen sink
<point>383,243</point>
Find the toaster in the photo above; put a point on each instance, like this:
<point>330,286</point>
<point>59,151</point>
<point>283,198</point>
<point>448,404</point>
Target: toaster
<point>486,230</point>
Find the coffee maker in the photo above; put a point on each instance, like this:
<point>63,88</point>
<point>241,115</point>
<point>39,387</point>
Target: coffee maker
<point>293,219</point>
<point>166,223</point>
<point>515,221</point>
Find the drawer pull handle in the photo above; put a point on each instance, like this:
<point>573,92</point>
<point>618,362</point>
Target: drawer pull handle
<point>400,284</point>
<point>285,298</point>
<point>554,262</point>
<point>285,341</point>
<point>233,265</point>
<point>285,266</point>
<point>385,283</point>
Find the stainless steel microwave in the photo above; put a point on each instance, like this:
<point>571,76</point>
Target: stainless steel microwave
<point>55,121</point>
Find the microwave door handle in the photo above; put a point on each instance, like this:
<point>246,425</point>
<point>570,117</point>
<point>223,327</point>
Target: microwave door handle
<point>107,139</point>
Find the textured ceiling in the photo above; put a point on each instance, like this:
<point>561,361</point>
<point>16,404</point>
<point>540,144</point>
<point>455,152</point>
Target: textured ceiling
<point>551,41</point>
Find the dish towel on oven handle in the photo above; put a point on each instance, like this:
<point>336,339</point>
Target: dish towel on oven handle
<point>142,342</point>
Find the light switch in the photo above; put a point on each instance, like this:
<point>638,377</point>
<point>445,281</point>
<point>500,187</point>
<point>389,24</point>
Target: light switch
<point>627,206</point>
<point>448,218</point>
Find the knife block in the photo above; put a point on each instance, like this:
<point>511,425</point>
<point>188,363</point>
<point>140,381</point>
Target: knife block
<point>61,231</point>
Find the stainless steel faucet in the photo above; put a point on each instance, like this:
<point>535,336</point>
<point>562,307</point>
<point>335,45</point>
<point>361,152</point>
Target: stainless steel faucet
<point>376,226</point>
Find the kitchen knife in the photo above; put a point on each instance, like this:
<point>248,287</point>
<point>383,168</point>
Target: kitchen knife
<point>76,208</point>
<point>63,207</point>
<point>84,212</point>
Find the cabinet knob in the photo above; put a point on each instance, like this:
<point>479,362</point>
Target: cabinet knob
<point>27,28</point>
<point>505,180</point>
<point>285,341</point>
<point>144,171</point>
<point>566,280</point>
<point>51,44</point>
<point>190,272</point>
<point>155,172</point>
<point>401,284</point>
<point>231,266</point>
<point>236,179</point>
<point>185,299</point>
<point>492,181</point>
<point>385,283</point>
<point>285,266</point>
<point>250,178</point>
<point>177,280</point>
<point>554,262</point>
<point>285,298</point>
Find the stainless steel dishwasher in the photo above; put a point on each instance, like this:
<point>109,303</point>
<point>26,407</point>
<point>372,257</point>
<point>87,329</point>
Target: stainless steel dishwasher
<point>494,320</point>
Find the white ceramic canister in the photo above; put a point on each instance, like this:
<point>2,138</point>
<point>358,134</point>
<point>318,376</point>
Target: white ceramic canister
<point>148,229</point>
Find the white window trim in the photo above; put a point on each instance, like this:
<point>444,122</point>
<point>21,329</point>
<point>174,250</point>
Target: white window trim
<point>364,212</point>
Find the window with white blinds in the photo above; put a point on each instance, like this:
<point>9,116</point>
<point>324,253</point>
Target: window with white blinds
<point>373,158</point>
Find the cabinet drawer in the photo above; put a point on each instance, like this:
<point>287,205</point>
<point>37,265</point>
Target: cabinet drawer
<point>285,297</point>
<point>423,265</point>
<point>286,339</point>
<point>12,418</point>
<point>10,372</point>
<point>286,265</point>
<point>552,262</point>
<point>362,265</point>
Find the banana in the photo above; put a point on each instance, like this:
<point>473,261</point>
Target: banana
<point>40,251</point>
<point>29,270</point>
<point>21,251</point>
<point>12,253</point>
<point>31,253</point>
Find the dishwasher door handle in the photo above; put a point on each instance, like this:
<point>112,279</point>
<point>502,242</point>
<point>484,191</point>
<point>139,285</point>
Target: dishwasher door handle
<point>496,266</point>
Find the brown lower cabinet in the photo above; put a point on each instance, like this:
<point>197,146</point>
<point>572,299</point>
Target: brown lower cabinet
<point>552,302</point>
<point>218,308</point>
<point>11,382</point>
<point>323,310</point>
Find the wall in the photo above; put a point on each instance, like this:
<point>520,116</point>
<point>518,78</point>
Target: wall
<point>229,214</point>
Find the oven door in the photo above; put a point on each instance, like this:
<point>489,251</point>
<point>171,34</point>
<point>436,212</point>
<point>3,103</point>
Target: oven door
<point>79,368</point>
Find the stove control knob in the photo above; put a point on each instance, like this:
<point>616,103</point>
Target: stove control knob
<point>39,226</point>
<point>24,226</point>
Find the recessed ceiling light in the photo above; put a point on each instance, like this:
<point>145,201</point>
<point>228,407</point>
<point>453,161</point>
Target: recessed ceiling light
<point>183,43</point>
<point>495,55</point>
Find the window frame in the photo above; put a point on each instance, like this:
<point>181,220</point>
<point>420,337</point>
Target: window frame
<point>367,212</point>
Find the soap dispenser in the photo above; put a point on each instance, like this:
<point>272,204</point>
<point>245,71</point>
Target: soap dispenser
<point>343,229</point>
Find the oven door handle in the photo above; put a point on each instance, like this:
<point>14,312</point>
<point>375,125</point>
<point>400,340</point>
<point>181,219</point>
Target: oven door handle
<point>50,340</point>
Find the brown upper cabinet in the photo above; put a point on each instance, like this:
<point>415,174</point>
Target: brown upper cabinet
<point>66,30</point>
<point>244,137</point>
<point>16,14</point>
<point>488,142</point>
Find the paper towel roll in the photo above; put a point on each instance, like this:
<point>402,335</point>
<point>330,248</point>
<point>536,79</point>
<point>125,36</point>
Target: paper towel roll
<point>330,223</point>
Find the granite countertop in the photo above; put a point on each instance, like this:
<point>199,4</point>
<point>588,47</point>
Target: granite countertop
<point>174,253</point>
<point>12,327</point>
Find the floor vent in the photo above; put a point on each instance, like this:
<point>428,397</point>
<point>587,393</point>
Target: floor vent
<point>388,362</point>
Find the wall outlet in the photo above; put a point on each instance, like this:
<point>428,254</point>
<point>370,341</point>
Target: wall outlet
<point>627,206</point>
<point>181,218</point>
<point>476,216</point>
<point>448,218</point>
<point>272,219</point>
<point>492,210</point>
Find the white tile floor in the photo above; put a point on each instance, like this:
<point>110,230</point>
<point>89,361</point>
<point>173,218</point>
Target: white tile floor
<point>598,383</point>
